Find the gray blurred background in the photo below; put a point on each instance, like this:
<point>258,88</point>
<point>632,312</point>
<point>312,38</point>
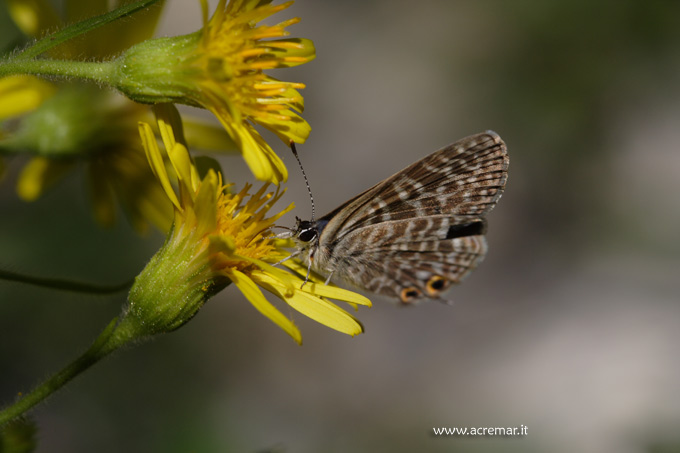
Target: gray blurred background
<point>570,327</point>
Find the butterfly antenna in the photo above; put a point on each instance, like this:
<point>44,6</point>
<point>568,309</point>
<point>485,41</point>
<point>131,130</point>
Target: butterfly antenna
<point>309,189</point>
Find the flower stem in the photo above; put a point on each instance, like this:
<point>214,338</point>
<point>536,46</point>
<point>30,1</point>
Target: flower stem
<point>63,285</point>
<point>96,72</point>
<point>116,334</point>
<point>80,28</point>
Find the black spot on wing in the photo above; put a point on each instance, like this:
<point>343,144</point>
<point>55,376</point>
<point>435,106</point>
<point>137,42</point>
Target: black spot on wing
<point>476,228</point>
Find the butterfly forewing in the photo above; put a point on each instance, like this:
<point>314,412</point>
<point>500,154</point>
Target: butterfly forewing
<point>464,178</point>
<point>419,231</point>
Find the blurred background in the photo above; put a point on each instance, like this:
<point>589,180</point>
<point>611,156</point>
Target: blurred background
<point>570,327</point>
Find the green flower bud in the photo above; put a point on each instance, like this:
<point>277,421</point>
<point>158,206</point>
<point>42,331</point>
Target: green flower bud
<point>155,71</point>
<point>173,286</point>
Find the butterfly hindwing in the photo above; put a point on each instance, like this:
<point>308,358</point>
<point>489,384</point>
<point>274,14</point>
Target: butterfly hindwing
<point>410,259</point>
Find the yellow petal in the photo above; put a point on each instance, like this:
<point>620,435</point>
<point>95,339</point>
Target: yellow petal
<point>142,198</point>
<point>318,286</point>
<point>292,52</point>
<point>283,277</point>
<point>184,169</point>
<point>205,205</point>
<point>311,306</point>
<point>334,292</point>
<point>279,169</point>
<point>294,99</point>
<point>155,208</point>
<point>153,154</point>
<point>21,94</point>
<point>33,16</point>
<point>296,266</point>
<point>172,133</point>
<point>293,128</point>
<point>201,135</point>
<point>166,117</point>
<point>38,175</point>
<point>255,296</point>
<point>254,156</point>
<point>205,11</point>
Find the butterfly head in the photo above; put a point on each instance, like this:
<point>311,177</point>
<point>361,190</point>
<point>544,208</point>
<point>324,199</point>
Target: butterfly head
<point>306,231</point>
<point>306,234</point>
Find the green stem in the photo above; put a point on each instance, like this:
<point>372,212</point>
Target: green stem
<point>79,28</point>
<point>97,72</point>
<point>116,334</point>
<point>63,285</point>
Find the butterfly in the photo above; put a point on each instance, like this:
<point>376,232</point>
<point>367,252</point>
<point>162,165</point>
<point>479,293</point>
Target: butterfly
<point>419,231</point>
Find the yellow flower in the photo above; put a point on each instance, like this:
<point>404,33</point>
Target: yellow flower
<point>221,68</point>
<point>68,125</point>
<point>64,127</point>
<point>231,58</point>
<point>219,238</point>
<point>20,94</point>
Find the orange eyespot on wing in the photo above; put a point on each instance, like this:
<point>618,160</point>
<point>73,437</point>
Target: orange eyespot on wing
<point>409,294</point>
<point>435,285</point>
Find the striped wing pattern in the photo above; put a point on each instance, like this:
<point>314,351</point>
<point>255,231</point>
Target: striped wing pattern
<point>421,230</point>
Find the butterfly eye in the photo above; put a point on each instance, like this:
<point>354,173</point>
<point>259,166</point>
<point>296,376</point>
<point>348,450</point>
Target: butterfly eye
<point>307,235</point>
<point>435,285</point>
<point>408,294</point>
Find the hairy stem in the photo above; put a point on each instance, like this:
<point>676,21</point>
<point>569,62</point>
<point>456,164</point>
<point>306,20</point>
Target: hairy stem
<point>118,333</point>
<point>96,72</point>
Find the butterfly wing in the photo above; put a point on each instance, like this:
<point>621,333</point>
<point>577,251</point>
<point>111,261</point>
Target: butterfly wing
<point>414,234</point>
<point>411,259</point>
<point>464,178</point>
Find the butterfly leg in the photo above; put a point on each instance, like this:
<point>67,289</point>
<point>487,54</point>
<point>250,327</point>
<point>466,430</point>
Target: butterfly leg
<point>309,270</point>
<point>292,255</point>
<point>328,280</point>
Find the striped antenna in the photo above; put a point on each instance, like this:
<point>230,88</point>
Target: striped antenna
<point>309,189</point>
